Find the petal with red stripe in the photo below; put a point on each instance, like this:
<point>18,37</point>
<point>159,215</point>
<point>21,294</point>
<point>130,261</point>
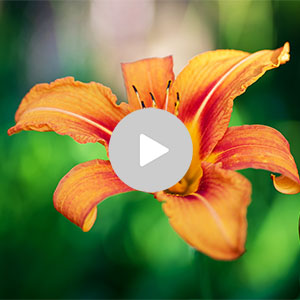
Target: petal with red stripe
<point>213,219</point>
<point>259,147</point>
<point>208,85</point>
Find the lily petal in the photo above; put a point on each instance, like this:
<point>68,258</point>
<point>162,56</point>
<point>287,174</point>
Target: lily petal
<point>213,219</point>
<point>259,147</point>
<point>148,75</point>
<point>85,111</point>
<point>209,83</point>
<point>86,185</point>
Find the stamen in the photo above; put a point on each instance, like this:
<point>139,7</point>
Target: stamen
<point>167,94</point>
<point>176,105</point>
<point>138,96</point>
<point>153,100</point>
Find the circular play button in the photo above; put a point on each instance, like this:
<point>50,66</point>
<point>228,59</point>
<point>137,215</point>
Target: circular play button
<point>150,150</point>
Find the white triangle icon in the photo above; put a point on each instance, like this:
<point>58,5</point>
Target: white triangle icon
<point>150,150</point>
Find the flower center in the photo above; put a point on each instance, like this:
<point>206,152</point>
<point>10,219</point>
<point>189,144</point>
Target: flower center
<point>187,185</point>
<point>190,182</point>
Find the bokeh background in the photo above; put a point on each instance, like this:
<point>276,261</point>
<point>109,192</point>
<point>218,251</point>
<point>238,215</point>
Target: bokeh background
<point>132,252</point>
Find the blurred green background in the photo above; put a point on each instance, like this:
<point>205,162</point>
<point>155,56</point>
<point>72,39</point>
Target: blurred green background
<point>132,252</point>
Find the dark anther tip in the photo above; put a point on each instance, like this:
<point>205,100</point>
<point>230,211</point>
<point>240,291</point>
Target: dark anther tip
<point>134,88</point>
<point>152,97</point>
<point>169,83</point>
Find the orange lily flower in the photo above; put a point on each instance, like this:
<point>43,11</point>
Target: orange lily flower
<point>207,208</point>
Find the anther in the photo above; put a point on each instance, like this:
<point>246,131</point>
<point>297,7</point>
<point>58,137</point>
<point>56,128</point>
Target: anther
<point>135,89</point>
<point>138,96</point>
<point>169,83</point>
<point>167,94</point>
<point>177,104</point>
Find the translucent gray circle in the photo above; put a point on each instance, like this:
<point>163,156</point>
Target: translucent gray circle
<point>163,172</point>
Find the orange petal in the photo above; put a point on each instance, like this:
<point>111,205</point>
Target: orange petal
<point>86,185</point>
<point>213,220</point>
<point>86,112</point>
<point>259,147</point>
<point>148,75</point>
<point>210,82</point>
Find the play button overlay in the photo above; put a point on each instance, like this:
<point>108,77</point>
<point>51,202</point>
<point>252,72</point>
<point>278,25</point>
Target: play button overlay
<point>150,150</point>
